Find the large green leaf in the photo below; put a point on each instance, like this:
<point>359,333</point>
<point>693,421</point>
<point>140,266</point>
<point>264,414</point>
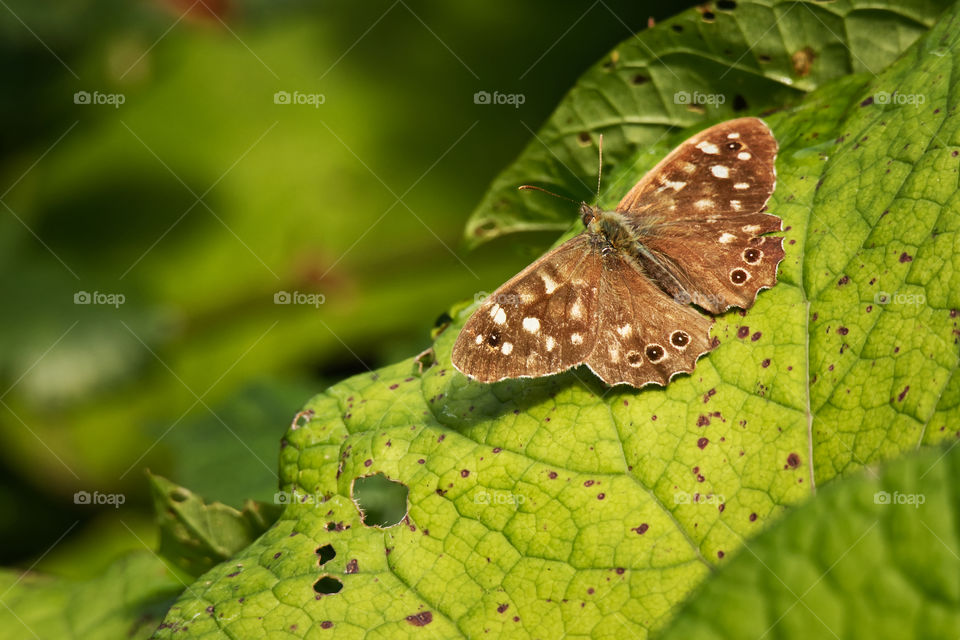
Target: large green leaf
<point>127,601</point>
<point>873,557</point>
<point>759,55</point>
<point>560,508</point>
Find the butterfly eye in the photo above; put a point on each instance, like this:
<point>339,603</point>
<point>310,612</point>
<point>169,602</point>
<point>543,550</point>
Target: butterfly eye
<point>752,255</point>
<point>733,146</point>
<point>654,352</point>
<point>679,339</point>
<point>739,276</point>
<point>634,359</point>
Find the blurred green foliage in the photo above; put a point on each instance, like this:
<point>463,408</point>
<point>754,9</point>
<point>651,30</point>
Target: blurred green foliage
<point>199,199</point>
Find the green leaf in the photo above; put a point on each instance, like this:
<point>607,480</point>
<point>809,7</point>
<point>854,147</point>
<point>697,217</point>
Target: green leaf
<point>196,536</point>
<point>761,55</point>
<point>558,507</point>
<point>127,601</point>
<point>874,556</point>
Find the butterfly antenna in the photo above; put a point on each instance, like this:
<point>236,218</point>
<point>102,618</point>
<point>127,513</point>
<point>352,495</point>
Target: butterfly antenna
<point>600,168</point>
<point>530,187</point>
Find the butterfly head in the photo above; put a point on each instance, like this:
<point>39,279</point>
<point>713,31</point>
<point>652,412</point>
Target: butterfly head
<point>589,214</point>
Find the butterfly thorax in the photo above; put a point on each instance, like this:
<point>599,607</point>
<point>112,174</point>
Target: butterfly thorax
<point>609,230</point>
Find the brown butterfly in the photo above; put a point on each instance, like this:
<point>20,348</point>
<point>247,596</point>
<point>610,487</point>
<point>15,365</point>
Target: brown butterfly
<point>618,296</point>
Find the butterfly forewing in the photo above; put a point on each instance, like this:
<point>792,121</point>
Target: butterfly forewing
<point>540,322</point>
<point>644,335</point>
<point>727,169</point>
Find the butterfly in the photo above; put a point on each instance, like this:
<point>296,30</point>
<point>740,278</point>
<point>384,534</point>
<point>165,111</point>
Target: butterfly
<point>619,296</point>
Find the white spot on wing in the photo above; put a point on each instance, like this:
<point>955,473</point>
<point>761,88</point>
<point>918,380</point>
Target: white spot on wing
<point>576,338</point>
<point>531,324</point>
<point>703,203</point>
<point>478,339</point>
<point>676,185</point>
<point>625,330</point>
<point>493,310</point>
<point>720,171</point>
<point>506,348</point>
<point>733,136</point>
<point>727,238</point>
<point>551,343</point>
<point>735,204</point>
<point>743,155</point>
<point>689,167</point>
<point>708,147</point>
<point>741,185</point>
<point>576,311</point>
<point>752,229</point>
<point>548,284</point>
<point>501,316</point>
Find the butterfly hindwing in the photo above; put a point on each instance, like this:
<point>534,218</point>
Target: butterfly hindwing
<point>540,322</point>
<point>644,335</point>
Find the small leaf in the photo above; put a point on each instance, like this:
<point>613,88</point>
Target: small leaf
<point>195,535</point>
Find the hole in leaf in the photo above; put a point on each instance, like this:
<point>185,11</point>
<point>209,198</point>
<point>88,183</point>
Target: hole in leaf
<point>382,502</point>
<point>325,554</point>
<point>327,585</point>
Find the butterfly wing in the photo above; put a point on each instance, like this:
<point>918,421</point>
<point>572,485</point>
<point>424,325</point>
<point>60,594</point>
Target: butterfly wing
<point>540,322</point>
<point>699,214</point>
<point>644,335</point>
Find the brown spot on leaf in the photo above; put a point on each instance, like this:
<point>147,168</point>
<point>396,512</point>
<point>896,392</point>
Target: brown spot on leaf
<point>793,461</point>
<point>421,619</point>
<point>702,443</point>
